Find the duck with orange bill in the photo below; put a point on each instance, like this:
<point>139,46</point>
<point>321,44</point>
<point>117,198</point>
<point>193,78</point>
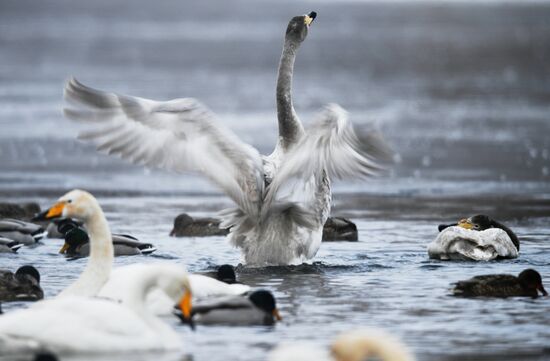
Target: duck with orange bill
<point>478,238</point>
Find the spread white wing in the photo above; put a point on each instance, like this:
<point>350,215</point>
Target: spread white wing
<point>177,135</point>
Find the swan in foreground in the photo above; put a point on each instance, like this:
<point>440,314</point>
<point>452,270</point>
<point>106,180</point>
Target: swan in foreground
<point>478,238</point>
<point>527,284</point>
<point>358,345</point>
<point>86,325</point>
<point>82,205</point>
<point>23,285</point>
<point>282,199</point>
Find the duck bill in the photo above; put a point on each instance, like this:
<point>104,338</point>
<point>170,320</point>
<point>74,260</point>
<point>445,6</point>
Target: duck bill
<point>277,315</point>
<point>308,19</point>
<point>64,249</point>
<point>55,211</point>
<point>542,290</point>
<point>464,223</point>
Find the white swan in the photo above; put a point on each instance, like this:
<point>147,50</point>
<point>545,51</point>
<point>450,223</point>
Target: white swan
<point>355,345</point>
<point>159,301</point>
<point>82,205</point>
<point>73,324</point>
<point>283,199</point>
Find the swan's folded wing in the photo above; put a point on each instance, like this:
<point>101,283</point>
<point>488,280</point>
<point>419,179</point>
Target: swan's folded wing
<point>177,135</point>
<point>332,147</point>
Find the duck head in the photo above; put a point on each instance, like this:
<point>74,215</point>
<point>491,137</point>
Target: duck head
<point>298,26</point>
<point>226,274</point>
<point>75,204</point>
<point>265,301</point>
<point>532,281</point>
<point>478,222</point>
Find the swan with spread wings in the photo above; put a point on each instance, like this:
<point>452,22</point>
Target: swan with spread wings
<point>283,199</point>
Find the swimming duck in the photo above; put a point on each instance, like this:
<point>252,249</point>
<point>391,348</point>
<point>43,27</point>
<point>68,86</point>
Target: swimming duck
<point>357,345</point>
<point>23,232</point>
<point>256,308</point>
<point>9,245</point>
<point>102,325</point>
<point>526,284</point>
<point>77,242</point>
<point>478,238</point>
<point>187,226</point>
<point>24,285</point>
<point>282,200</point>
<point>82,205</point>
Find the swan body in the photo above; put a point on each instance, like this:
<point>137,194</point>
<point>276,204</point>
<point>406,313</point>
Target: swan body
<point>458,243</point>
<point>357,345</point>
<point>282,200</point>
<point>82,205</point>
<point>84,325</point>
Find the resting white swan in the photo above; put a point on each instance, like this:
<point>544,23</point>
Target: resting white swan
<point>82,205</point>
<point>74,324</point>
<point>158,301</point>
<point>355,345</point>
<point>478,238</point>
<point>283,199</point>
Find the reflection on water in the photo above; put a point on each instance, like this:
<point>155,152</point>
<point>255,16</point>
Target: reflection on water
<point>461,91</point>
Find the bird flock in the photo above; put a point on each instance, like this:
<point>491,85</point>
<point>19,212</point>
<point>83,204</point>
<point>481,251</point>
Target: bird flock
<point>282,202</point>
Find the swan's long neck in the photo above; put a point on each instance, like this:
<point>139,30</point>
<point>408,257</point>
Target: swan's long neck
<point>290,128</point>
<point>97,270</point>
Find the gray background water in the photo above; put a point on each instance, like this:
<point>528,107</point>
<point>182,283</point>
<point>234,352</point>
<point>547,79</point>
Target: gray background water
<point>461,91</point>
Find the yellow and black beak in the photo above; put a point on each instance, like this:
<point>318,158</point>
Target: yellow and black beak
<point>465,223</point>
<point>64,249</point>
<point>277,315</point>
<point>55,211</point>
<point>308,19</point>
<point>185,307</point>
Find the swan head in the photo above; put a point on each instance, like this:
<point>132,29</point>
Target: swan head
<point>173,281</point>
<point>532,281</point>
<point>76,204</point>
<point>298,27</point>
<point>361,344</point>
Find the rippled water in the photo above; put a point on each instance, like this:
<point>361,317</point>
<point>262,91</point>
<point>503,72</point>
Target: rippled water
<point>461,91</point>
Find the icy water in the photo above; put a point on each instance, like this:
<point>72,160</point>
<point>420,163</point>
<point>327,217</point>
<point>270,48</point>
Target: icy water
<point>461,91</point>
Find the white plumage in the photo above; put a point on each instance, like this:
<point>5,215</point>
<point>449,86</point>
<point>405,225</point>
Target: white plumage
<point>460,243</point>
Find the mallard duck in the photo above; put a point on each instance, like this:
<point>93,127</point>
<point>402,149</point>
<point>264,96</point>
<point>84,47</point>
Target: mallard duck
<point>478,238</point>
<point>23,285</point>
<point>357,345</point>
<point>257,308</point>
<point>23,232</point>
<point>283,199</point>
<point>526,284</point>
<point>187,226</point>
<point>8,245</point>
<point>77,242</point>
<point>90,325</point>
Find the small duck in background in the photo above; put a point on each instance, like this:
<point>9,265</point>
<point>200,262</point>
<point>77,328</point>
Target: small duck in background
<point>23,285</point>
<point>527,284</point>
<point>9,245</point>
<point>478,238</point>
<point>254,309</point>
<point>23,232</point>
<point>77,242</point>
<point>187,226</point>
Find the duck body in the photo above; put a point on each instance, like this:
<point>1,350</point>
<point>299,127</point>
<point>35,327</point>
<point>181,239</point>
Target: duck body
<point>23,285</point>
<point>23,232</point>
<point>187,226</point>
<point>8,245</point>
<point>527,284</point>
<point>255,309</point>
<point>458,243</point>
